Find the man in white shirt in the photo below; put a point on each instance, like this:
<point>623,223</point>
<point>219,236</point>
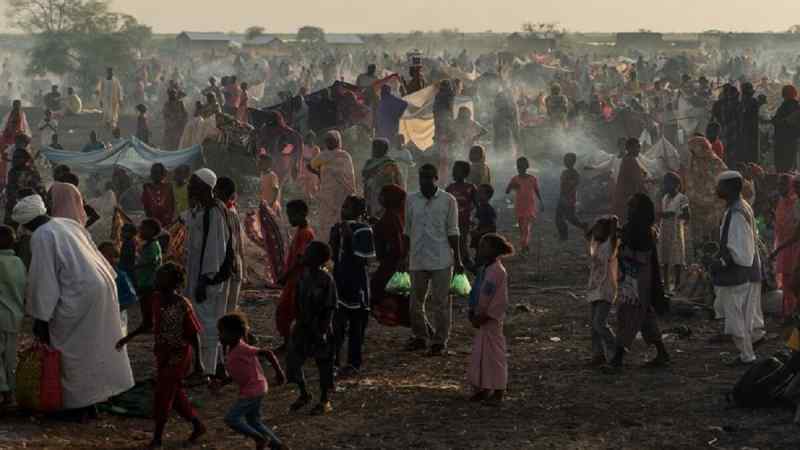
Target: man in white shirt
<point>737,273</point>
<point>432,237</point>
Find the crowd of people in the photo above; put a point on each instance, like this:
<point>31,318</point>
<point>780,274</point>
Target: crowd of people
<point>184,264</point>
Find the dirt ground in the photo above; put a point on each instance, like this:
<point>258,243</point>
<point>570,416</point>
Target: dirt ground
<point>554,401</point>
<point>405,400</point>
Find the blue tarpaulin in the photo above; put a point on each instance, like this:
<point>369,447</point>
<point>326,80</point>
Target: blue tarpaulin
<point>131,153</point>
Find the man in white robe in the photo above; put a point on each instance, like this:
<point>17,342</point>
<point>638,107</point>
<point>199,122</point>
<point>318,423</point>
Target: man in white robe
<point>109,91</point>
<point>739,296</point>
<point>205,255</point>
<point>73,299</point>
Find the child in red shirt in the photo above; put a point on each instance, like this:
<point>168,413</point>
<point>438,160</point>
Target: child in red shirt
<point>244,369</point>
<point>297,210</point>
<point>466,195</point>
<point>176,334</point>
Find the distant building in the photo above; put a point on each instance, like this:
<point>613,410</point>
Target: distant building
<point>265,45</point>
<point>208,44</point>
<point>344,40</point>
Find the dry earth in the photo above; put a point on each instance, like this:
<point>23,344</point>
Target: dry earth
<point>554,401</point>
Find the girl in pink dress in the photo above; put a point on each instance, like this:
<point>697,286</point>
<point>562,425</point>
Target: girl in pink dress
<point>487,371</point>
<point>527,202</point>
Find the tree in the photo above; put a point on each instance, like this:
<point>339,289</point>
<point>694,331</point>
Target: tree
<point>543,29</point>
<point>311,34</point>
<point>56,16</point>
<point>254,32</point>
<point>78,37</point>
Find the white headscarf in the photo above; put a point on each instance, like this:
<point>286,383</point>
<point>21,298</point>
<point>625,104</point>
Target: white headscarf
<point>28,209</point>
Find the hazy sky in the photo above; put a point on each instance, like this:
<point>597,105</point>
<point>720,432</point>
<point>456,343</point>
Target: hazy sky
<point>373,16</point>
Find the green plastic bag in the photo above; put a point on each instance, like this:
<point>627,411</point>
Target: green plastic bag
<point>399,284</point>
<point>460,286</point>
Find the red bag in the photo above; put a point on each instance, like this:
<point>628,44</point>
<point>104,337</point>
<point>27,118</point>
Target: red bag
<point>39,379</point>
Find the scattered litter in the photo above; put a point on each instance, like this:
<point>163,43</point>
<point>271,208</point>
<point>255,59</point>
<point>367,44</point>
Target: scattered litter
<point>555,339</point>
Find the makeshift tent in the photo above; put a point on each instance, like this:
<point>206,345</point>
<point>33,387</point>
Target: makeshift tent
<point>132,154</point>
<point>324,111</point>
<point>417,124</point>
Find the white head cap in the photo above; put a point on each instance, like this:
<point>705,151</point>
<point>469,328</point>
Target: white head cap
<point>207,176</point>
<point>28,209</point>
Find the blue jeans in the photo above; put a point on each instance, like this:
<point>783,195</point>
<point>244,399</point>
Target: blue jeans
<point>245,417</point>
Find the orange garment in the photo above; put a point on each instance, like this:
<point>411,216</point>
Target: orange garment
<point>527,191</point>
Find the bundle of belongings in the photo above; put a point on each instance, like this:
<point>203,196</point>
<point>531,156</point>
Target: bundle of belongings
<point>771,382</point>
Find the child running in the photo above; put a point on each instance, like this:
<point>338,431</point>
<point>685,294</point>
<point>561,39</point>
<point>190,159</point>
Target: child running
<point>12,299</point>
<point>244,369</point>
<point>602,290</point>
<point>351,244</point>
<point>568,198</point>
<point>177,341</point>
<point>527,199</point>
<point>487,372</point>
<point>672,240</point>
<point>312,335</point>
<point>466,195</point>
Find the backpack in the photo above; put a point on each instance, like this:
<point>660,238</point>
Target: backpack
<point>763,384</point>
<point>227,268</point>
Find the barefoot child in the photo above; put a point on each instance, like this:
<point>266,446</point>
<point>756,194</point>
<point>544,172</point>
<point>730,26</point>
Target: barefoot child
<point>526,201</point>
<point>244,369</point>
<point>568,198</point>
<point>602,290</point>
<point>674,214</point>
<point>297,210</point>
<point>312,334</point>
<point>488,366</point>
<point>177,341</point>
<point>12,298</point>
<point>466,195</point>
<point>352,245</point>
<point>147,263</point>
